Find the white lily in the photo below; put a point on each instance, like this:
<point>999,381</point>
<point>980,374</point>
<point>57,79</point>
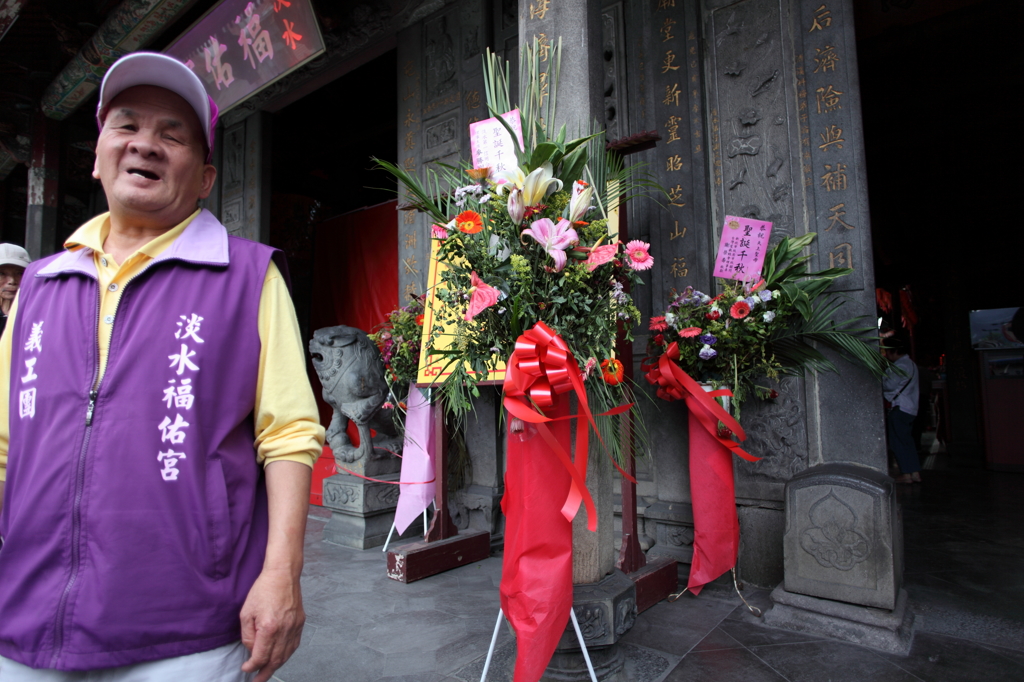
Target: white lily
<point>580,203</point>
<point>539,184</point>
<point>508,179</point>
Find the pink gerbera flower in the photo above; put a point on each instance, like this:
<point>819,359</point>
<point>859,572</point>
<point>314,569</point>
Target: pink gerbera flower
<point>481,296</point>
<point>438,232</point>
<point>658,324</point>
<point>690,332</point>
<point>638,255</point>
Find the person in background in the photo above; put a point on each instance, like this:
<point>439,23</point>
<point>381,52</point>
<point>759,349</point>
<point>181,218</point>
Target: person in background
<point>13,261</point>
<point>901,392</point>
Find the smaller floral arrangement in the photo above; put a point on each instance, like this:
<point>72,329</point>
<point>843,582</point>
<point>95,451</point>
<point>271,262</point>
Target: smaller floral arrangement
<point>398,340</point>
<point>751,331</point>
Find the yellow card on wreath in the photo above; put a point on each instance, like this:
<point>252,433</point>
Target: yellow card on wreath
<point>434,369</point>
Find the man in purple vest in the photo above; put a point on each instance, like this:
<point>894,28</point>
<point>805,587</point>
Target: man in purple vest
<point>157,427</point>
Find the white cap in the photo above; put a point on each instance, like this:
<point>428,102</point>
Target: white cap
<point>153,68</point>
<point>12,254</point>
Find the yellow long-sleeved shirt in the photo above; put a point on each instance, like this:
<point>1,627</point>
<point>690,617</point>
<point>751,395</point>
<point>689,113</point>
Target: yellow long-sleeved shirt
<point>287,425</point>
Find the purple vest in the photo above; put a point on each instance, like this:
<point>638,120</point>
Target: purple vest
<point>135,514</point>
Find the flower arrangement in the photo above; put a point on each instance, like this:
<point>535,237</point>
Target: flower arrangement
<point>398,340</point>
<point>529,244</point>
<point>750,331</point>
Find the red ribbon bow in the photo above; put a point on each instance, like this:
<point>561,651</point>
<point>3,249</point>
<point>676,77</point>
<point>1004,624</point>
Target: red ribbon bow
<point>541,367</point>
<point>675,384</point>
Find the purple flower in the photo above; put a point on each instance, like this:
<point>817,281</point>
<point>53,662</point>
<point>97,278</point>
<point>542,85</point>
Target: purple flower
<point>765,295</point>
<point>751,301</point>
<point>708,339</point>
<point>707,352</point>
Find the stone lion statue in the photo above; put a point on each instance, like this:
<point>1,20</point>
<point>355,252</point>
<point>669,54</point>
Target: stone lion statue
<point>352,374</point>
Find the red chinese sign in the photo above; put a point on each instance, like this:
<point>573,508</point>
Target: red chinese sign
<point>241,46</point>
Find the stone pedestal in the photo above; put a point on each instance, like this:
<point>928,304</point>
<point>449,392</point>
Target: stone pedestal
<point>477,506</point>
<point>673,533</point>
<point>606,610</point>
<point>361,511</point>
<point>843,556</point>
<point>890,631</point>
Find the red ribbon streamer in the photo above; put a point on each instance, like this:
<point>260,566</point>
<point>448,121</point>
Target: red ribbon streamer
<point>338,469</point>
<point>542,366</point>
<point>675,384</point>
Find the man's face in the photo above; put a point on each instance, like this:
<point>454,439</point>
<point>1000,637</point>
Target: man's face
<point>150,157</point>
<point>10,280</point>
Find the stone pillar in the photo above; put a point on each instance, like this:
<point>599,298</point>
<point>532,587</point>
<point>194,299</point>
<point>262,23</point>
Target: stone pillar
<point>43,172</point>
<point>244,176</point>
<point>604,599</point>
<point>788,147</point>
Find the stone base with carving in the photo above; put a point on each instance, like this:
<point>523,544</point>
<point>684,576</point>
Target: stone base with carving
<point>673,534</point>
<point>606,610</point>
<point>890,631</point>
<point>478,507</point>
<point>361,511</point>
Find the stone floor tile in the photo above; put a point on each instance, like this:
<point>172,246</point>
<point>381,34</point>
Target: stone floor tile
<point>944,659</point>
<point>717,639</point>
<point>943,609</point>
<point>410,665</point>
<point>751,634</point>
<point>734,665</point>
<point>408,631</point>
<point>832,661</point>
<point>1015,656</point>
<point>759,599</point>
<point>326,661</point>
<point>677,627</point>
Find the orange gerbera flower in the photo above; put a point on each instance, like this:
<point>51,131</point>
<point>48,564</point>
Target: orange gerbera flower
<point>612,371</point>
<point>469,222</point>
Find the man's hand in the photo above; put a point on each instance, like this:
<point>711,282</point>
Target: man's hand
<point>272,616</point>
<point>272,620</point>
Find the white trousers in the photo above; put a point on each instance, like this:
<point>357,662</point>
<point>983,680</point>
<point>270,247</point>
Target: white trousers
<point>223,664</point>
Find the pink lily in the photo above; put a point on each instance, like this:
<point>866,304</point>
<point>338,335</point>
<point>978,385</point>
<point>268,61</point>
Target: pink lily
<point>554,238</point>
<point>481,296</point>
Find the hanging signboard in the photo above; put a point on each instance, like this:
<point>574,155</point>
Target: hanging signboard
<point>241,46</point>
<point>742,248</point>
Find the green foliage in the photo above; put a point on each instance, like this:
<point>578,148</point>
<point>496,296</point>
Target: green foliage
<point>585,301</point>
<point>768,330</point>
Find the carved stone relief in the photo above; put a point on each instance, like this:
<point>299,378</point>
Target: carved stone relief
<point>776,432</point>
<point>439,133</point>
<point>592,621</point>
<point>748,95</point>
<point>625,616</point>
<point>439,56</point>
<point>612,58</point>
<point>832,539</point>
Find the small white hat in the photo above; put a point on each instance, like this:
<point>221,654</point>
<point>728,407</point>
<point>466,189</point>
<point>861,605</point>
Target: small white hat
<point>153,68</point>
<point>12,254</point>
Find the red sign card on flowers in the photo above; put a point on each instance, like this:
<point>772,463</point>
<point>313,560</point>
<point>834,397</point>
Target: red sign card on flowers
<point>742,248</point>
